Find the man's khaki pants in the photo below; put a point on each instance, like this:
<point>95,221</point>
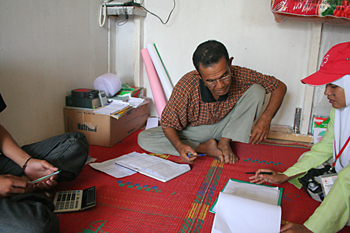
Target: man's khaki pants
<point>236,125</point>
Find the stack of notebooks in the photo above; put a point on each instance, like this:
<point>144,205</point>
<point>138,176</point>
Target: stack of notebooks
<point>115,109</point>
<point>246,207</point>
<point>122,112</point>
<point>152,166</point>
<point>148,165</point>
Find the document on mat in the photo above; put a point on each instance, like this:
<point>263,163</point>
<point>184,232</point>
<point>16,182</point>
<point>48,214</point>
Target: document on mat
<point>152,166</point>
<point>112,169</point>
<point>261,193</point>
<point>238,214</point>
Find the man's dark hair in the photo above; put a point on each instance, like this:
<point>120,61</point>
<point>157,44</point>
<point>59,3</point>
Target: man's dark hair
<point>209,53</point>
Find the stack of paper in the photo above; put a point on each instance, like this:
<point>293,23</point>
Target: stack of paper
<point>109,167</point>
<point>135,102</point>
<point>117,115</point>
<point>152,166</point>
<point>112,108</point>
<point>246,207</point>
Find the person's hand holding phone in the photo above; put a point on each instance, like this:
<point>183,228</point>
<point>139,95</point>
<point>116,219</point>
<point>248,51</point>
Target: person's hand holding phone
<point>36,169</point>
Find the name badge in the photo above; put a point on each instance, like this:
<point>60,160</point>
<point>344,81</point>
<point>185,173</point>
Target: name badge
<point>327,182</point>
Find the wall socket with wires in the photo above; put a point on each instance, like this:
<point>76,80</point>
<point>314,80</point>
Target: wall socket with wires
<point>119,3</point>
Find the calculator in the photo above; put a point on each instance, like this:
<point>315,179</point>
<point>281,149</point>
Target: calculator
<point>74,200</point>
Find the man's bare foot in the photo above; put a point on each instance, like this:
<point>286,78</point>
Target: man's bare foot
<point>225,146</point>
<point>210,148</point>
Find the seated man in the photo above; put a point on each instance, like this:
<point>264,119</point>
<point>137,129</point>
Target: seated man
<point>22,209</point>
<point>212,106</point>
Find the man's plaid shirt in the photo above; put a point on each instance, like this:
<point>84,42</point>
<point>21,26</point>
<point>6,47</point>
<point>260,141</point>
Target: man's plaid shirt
<point>187,108</point>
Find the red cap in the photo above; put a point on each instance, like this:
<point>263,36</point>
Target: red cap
<point>335,64</point>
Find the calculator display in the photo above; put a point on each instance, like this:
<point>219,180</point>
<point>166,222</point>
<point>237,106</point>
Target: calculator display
<point>89,198</point>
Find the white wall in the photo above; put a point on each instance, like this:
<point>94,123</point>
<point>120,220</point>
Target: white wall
<point>47,48</point>
<point>122,48</point>
<point>248,30</point>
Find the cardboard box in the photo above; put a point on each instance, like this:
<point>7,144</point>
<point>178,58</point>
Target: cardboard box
<point>105,130</point>
<point>319,127</point>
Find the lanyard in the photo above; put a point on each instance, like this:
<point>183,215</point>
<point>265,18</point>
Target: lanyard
<point>340,152</point>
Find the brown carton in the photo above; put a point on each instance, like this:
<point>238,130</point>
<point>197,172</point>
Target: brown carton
<point>105,130</point>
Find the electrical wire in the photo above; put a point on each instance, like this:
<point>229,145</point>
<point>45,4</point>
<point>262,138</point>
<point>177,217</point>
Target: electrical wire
<point>158,16</point>
<point>103,14</point>
<point>122,22</point>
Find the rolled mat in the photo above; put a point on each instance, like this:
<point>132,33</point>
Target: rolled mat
<point>162,74</point>
<point>156,87</point>
<point>108,83</point>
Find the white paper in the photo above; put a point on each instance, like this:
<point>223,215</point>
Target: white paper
<point>90,160</point>
<point>135,102</point>
<point>112,169</point>
<point>152,122</point>
<point>112,108</point>
<point>155,167</point>
<point>269,195</point>
<point>238,214</point>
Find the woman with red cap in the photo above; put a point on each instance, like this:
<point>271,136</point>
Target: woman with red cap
<point>334,211</point>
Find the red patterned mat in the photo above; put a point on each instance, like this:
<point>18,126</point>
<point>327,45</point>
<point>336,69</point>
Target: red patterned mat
<point>141,204</point>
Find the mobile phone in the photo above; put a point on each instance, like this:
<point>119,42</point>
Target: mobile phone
<point>45,177</point>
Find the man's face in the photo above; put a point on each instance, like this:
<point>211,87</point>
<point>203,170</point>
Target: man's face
<point>217,77</point>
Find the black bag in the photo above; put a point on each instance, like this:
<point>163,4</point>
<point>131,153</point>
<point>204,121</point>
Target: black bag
<point>310,183</point>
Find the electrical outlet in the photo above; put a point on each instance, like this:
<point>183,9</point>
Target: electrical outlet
<point>119,2</point>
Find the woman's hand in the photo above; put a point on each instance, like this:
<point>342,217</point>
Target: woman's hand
<point>274,178</point>
<point>295,228</point>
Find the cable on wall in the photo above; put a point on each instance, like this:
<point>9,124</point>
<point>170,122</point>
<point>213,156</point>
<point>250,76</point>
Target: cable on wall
<point>158,16</point>
<point>124,21</point>
<point>103,14</point>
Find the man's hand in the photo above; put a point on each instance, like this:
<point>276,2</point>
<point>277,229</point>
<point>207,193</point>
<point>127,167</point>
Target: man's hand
<point>260,130</point>
<point>11,185</point>
<point>275,178</point>
<point>295,228</point>
<point>183,149</point>
<point>37,168</point>
<point>187,154</point>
